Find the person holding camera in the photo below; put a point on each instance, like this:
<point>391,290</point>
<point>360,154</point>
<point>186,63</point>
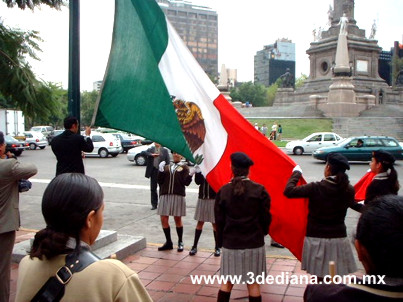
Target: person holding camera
<point>11,172</point>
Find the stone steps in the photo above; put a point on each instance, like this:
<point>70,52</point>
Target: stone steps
<point>388,126</point>
<point>379,120</point>
<point>108,243</point>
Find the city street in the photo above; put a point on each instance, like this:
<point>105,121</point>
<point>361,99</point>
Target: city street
<point>127,197</point>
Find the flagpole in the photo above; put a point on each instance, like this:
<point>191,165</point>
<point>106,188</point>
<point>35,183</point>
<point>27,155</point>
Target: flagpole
<point>74,60</point>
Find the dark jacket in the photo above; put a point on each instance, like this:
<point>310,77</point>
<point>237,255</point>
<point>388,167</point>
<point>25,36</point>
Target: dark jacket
<point>379,186</point>
<point>174,182</point>
<point>344,293</point>
<point>205,191</point>
<point>242,221</point>
<point>68,147</point>
<point>164,156</point>
<point>328,205</point>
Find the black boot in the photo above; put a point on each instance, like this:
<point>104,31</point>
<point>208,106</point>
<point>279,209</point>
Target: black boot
<point>255,299</point>
<point>217,251</point>
<point>193,251</point>
<point>223,296</point>
<point>168,244</point>
<point>179,231</point>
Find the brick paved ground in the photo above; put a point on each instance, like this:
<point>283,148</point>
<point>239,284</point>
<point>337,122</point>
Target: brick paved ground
<point>166,275</point>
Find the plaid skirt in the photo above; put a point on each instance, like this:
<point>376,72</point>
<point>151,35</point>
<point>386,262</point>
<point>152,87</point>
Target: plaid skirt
<point>205,210</point>
<point>317,253</point>
<point>242,262</point>
<point>172,205</point>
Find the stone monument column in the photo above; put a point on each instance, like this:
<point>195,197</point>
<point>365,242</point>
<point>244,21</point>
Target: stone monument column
<point>343,7</point>
<point>342,98</point>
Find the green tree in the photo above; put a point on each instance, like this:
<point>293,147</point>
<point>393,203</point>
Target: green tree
<point>271,93</point>
<point>19,86</point>
<point>88,100</point>
<point>32,3</point>
<point>256,94</point>
<point>300,81</point>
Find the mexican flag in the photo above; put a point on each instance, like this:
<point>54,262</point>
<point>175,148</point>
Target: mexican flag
<point>155,88</point>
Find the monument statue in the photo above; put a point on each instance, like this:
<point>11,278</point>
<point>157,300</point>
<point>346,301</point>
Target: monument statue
<point>330,15</point>
<point>399,79</point>
<point>287,79</point>
<point>373,31</point>
<point>343,24</point>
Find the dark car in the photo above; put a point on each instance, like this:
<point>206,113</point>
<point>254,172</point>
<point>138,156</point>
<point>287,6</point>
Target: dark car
<point>14,146</point>
<point>360,148</point>
<point>128,141</point>
<point>53,134</point>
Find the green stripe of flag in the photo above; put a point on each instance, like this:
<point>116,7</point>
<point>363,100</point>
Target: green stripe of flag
<point>134,97</point>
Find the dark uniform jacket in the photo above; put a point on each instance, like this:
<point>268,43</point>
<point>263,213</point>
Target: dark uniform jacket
<point>164,156</point>
<point>174,182</point>
<point>205,191</point>
<point>361,293</point>
<point>68,147</point>
<point>379,186</point>
<point>327,205</point>
<point>242,221</point>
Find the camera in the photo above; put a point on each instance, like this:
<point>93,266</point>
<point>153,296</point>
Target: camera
<point>24,185</point>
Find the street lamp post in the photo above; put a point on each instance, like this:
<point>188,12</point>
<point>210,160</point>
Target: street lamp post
<point>74,59</point>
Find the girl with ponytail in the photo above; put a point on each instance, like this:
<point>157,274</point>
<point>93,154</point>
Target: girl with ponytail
<point>385,181</point>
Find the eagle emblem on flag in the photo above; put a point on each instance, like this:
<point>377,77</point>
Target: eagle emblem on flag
<point>192,123</point>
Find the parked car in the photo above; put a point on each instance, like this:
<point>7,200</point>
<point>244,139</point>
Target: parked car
<point>354,150</point>
<point>135,155</point>
<point>312,142</point>
<point>105,144</point>
<point>45,130</point>
<point>128,141</point>
<point>53,134</point>
<point>14,146</point>
<point>35,139</point>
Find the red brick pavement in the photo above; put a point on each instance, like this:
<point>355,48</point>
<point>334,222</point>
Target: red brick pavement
<point>166,275</point>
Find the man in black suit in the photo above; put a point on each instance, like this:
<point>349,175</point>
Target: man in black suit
<point>155,155</point>
<point>69,145</point>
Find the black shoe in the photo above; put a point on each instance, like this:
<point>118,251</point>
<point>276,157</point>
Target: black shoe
<point>166,246</point>
<point>217,252</point>
<point>276,244</point>
<point>180,246</point>
<point>153,208</point>
<point>193,251</point>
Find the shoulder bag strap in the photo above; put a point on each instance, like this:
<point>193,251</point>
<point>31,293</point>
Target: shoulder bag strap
<point>53,289</point>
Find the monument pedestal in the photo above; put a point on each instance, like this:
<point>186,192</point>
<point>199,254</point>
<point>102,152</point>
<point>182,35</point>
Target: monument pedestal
<point>284,97</point>
<point>341,101</point>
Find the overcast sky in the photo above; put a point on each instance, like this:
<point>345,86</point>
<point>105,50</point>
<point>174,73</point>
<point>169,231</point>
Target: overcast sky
<point>244,28</point>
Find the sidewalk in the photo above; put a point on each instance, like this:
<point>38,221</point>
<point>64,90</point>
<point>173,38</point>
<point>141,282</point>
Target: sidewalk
<point>166,275</point>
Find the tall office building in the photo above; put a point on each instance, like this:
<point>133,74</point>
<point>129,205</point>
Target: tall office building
<point>272,61</point>
<point>198,28</point>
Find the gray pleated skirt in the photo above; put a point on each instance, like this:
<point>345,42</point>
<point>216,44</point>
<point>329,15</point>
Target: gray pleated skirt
<point>205,210</point>
<point>172,205</point>
<point>317,253</point>
<point>244,261</point>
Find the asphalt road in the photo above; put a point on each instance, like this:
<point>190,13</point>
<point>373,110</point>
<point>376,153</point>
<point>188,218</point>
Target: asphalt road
<point>127,197</point>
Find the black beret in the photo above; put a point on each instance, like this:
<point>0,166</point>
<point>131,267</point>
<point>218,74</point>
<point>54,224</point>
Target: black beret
<point>384,157</point>
<point>338,160</point>
<point>241,160</point>
<point>1,138</point>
